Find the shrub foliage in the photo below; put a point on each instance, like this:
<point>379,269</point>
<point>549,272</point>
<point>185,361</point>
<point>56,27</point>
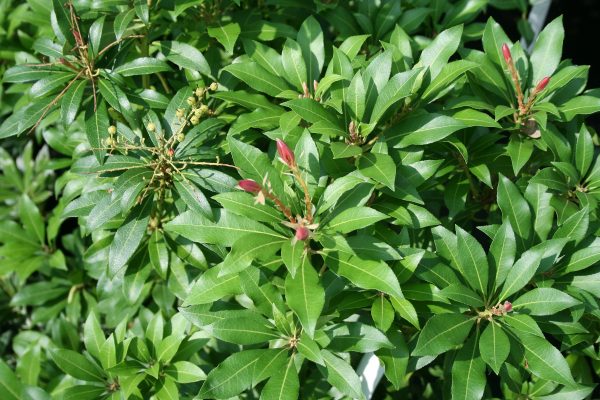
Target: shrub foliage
<point>221,198</point>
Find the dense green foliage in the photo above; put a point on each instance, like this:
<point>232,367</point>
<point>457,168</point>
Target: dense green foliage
<point>221,198</point>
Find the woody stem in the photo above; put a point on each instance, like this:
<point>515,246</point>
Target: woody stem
<point>307,201</point>
<point>280,205</point>
<point>515,78</point>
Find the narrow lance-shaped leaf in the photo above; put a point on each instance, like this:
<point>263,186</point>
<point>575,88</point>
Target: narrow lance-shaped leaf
<point>515,208</point>
<point>494,346</point>
<point>468,372</point>
<point>441,333</point>
<point>284,384</point>
<point>305,295</point>
<point>473,261</point>
<point>129,236</point>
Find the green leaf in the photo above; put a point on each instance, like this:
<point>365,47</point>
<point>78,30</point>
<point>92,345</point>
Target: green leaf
<point>468,372</point>
<point>293,64</point>
<point>226,229</point>
<point>93,336</point>
<point>575,227</point>
<point>122,21</point>
<point>379,167</point>
<point>547,50</point>
<point>63,19</point>
<point>472,117</point>
<point>26,117</point>
<point>398,87</point>
<point>272,361</point>
<point>265,56</point>
<point>247,249</point>
<point>142,10</point>
<point>71,101</point>
<point>142,66</point>
<point>584,151</point>
<point>312,111</point>
<point>543,301</point>
<point>462,294</point>
<point>356,337</point>
<point>251,329</point>
<point>406,310</point>
<point>544,360</point>
<point>493,39</point>
<point>305,295</point>
<point>193,197</point>
<point>76,365</point>
<point>341,375</point>
<point>257,78</point>
<point>185,56</point>
<point>258,119</point>
<point>226,35</point>
<point>515,208</point>
<point>502,253</point>
<point>580,105</point>
<point>439,51</point>
<point>422,129</point>
<point>10,385</point>
<point>448,74</point>
<point>83,392</point>
<point>159,255</point>
<point>185,372</point>
<point>441,333</point>
<point>232,376</point>
<point>382,313</point>
<point>293,254</point>
<point>354,218</point>
<point>310,39</point>
<point>366,274</point>
<point>519,150</point>
<point>97,130</point>
<point>473,261</point>
<point>245,204</point>
<point>310,349</point>
<point>129,236</point>
<point>352,45</point>
<point>494,346</point>
<point>168,347</point>
<point>211,287</point>
<point>522,271</point>
<point>355,98</point>
<point>283,384</point>
<point>36,294</point>
<point>32,219</point>
<point>582,259</point>
<point>395,359</point>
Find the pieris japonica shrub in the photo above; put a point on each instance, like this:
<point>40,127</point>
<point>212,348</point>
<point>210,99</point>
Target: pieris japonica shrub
<point>239,199</point>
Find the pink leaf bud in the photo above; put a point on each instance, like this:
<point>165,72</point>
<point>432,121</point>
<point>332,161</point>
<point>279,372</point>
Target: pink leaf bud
<point>302,233</point>
<point>249,186</point>
<point>542,84</point>
<point>285,153</point>
<point>506,53</point>
<point>508,306</point>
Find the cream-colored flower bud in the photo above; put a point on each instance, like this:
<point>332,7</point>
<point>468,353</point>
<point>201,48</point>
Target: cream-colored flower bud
<point>112,130</point>
<point>151,127</point>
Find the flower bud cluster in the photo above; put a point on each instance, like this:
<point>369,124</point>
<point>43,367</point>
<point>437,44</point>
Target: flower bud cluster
<point>302,225</point>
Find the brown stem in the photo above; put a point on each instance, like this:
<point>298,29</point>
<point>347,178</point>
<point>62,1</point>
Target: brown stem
<point>307,201</point>
<point>286,211</point>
